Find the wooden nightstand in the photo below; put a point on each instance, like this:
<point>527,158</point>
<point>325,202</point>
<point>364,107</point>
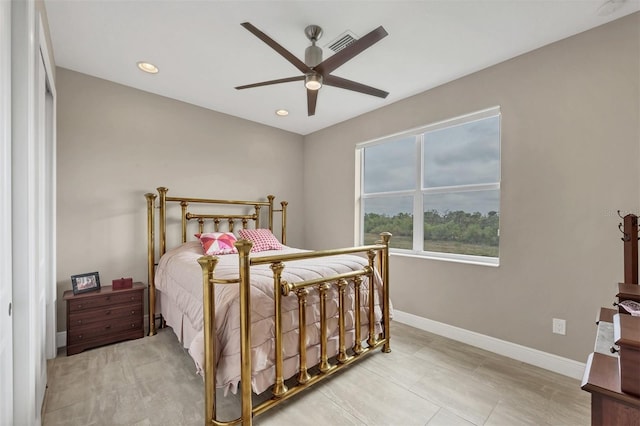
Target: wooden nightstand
<point>105,316</point>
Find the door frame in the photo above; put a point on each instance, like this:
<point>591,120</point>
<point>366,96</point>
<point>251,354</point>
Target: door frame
<point>50,193</point>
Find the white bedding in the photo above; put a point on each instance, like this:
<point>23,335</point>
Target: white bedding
<point>179,279</point>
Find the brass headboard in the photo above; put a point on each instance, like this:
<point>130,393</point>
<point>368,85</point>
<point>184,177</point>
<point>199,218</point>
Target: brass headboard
<point>187,216</point>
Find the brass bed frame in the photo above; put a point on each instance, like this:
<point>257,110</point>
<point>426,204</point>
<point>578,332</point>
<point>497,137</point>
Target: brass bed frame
<point>326,367</point>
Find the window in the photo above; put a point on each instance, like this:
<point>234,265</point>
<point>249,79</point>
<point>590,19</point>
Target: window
<point>436,189</point>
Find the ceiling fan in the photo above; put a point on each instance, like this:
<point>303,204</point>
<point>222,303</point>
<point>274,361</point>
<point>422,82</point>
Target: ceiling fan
<point>317,72</point>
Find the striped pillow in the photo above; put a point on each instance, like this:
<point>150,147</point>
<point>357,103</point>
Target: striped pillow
<point>262,239</point>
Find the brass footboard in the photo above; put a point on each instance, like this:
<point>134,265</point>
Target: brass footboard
<point>345,356</point>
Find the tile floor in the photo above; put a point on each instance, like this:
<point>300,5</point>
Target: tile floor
<point>425,380</point>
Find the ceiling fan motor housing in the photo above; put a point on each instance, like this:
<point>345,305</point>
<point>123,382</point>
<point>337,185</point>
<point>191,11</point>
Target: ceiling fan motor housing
<point>312,56</point>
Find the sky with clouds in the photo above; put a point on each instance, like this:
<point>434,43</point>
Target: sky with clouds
<point>465,154</point>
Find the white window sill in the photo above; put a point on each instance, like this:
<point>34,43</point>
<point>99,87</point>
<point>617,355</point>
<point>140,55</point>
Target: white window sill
<point>448,257</point>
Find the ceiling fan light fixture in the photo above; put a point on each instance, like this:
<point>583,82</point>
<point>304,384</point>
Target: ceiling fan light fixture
<point>313,81</point>
<point>148,67</point>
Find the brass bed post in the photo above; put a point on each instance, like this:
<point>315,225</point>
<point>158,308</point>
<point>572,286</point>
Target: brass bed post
<point>342,350</point>
<point>244,248</point>
<point>303,376</point>
<point>208,264</point>
<point>357,284</point>
<point>163,219</point>
<point>372,340</point>
<point>324,359</point>
<point>284,222</point>
<point>184,205</point>
<point>279,387</point>
<point>151,262</point>
<point>384,266</point>
<point>257,215</point>
<point>271,198</point>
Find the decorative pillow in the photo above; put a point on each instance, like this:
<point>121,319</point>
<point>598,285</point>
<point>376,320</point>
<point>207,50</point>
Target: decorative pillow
<point>262,239</point>
<point>215,243</point>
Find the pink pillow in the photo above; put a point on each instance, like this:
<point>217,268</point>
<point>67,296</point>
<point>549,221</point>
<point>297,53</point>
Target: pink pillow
<point>215,243</point>
<point>262,239</point>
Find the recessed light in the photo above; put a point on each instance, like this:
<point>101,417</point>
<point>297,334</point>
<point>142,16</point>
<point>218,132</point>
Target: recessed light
<point>610,6</point>
<point>282,112</point>
<point>148,67</point>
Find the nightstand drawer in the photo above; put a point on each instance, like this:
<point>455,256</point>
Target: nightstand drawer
<point>106,313</point>
<point>109,299</point>
<point>104,330</point>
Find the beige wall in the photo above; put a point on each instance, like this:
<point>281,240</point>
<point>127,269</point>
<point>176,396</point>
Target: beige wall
<point>570,151</point>
<point>116,143</point>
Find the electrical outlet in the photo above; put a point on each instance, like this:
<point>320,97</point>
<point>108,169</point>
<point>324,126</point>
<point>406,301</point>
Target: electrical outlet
<point>559,326</point>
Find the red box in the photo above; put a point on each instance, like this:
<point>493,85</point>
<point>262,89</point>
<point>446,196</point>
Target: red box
<point>122,283</point>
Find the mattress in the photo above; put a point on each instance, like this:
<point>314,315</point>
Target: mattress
<point>179,280</point>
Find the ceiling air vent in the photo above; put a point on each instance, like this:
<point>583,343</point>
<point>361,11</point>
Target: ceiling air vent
<point>344,40</point>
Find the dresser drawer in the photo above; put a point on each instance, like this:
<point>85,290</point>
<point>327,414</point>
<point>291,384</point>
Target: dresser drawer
<point>104,330</point>
<point>109,299</point>
<point>106,313</point>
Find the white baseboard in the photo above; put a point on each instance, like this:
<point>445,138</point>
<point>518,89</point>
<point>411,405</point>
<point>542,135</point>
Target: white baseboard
<point>61,336</point>
<point>61,339</point>
<point>555,363</point>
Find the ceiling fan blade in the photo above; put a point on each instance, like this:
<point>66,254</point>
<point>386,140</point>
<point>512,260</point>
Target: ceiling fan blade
<point>312,99</point>
<point>275,46</point>
<point>355,48</point>
<point>343,83</point>
<point>267,83</point>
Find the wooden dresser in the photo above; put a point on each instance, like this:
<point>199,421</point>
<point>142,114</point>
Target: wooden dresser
<point>610,405</point>
<point>103,316</point>
<point>612,374</point>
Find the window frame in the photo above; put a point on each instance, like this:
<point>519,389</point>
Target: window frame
<point>419,192</point>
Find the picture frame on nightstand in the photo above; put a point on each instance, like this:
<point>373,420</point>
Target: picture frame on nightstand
<point>83,283</point>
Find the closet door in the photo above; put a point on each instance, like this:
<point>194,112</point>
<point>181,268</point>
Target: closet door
<point>6,324</point>
<point>32,210</point>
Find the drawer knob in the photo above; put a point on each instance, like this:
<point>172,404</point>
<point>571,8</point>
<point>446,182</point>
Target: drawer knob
<point>79,336</point>
<point>107,327</point>
<point>133,325</point>
<point>80,306</point>
<point>79,322</point>
<point>107,312</point>
<point>132,298</point>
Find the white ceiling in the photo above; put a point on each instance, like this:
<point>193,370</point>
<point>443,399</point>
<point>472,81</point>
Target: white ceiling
<point>203,52</point>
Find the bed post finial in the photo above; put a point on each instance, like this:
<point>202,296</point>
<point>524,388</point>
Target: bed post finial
<point>151,198</point>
